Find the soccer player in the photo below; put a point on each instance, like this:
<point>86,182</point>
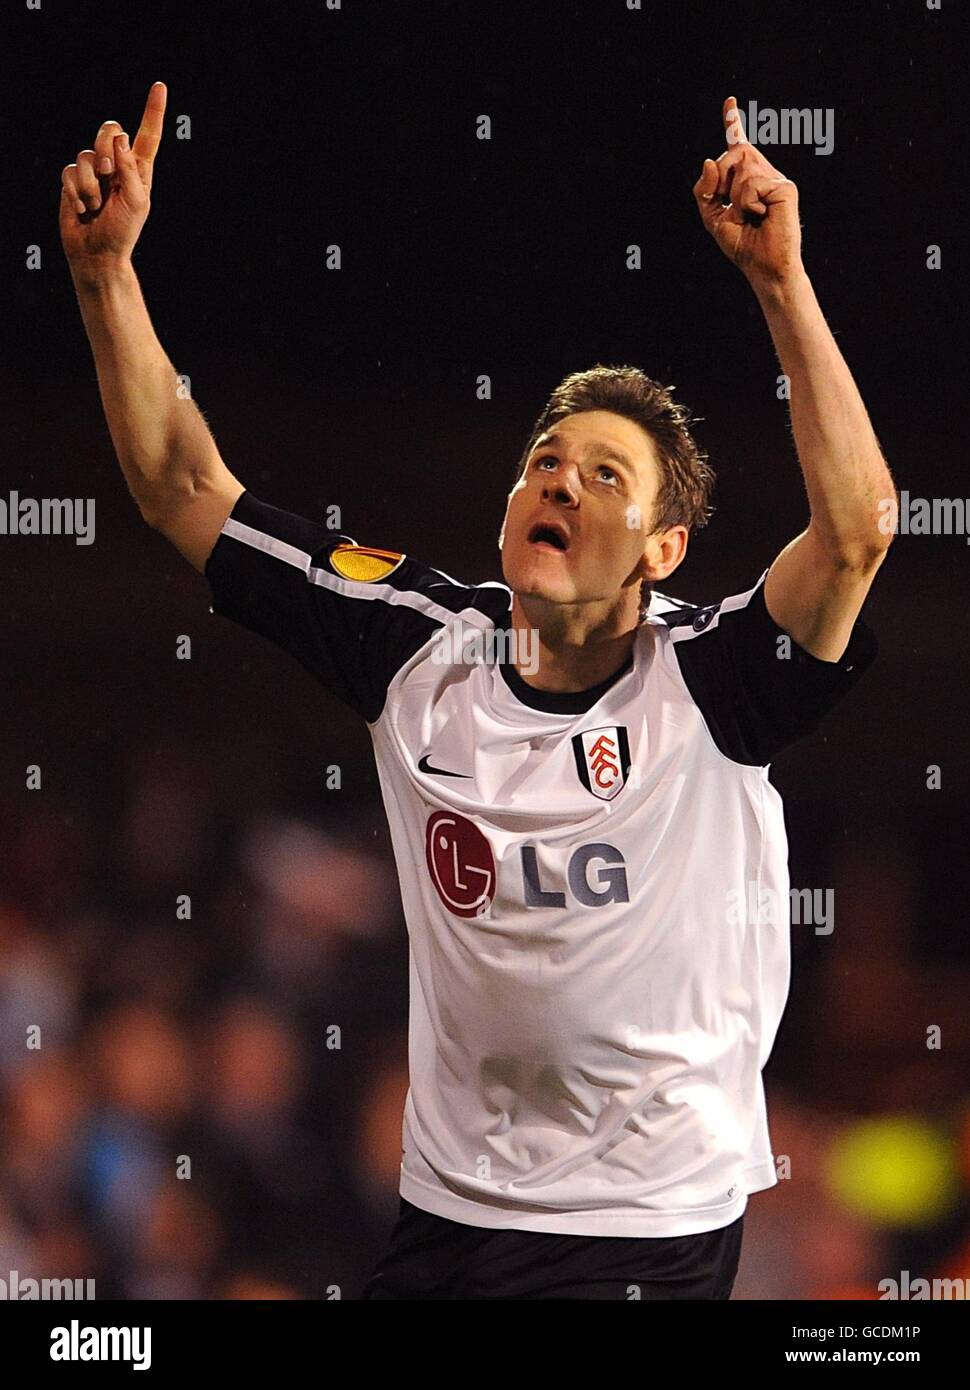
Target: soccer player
<point>574,767</point>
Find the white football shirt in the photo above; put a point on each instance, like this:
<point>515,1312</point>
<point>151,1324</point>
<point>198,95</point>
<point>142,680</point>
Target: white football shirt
<point>592,997</point>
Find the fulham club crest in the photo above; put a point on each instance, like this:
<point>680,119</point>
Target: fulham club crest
<point>603,760</point>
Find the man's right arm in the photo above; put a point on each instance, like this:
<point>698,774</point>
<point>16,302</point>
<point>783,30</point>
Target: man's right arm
<point>351,615</point>
<point>170,460</point>
<point>174,470</point>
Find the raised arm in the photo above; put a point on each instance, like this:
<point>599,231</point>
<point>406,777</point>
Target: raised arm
<point>174,470</point>
<point>817,585</point>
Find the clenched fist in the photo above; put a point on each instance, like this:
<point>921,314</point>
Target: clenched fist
<point>105,196</point>
<point>749,208</point>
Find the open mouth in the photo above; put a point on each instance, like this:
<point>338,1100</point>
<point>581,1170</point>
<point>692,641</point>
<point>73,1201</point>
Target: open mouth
<point>548,533</point>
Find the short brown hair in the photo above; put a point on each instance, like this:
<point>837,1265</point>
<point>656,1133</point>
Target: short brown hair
<point>686,480</point>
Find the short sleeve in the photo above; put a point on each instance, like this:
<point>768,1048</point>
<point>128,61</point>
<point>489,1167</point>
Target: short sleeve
<point>758,690</point>
<point>351,615</point>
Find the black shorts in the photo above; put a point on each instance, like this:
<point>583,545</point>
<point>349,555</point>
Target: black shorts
<point>431,1257</point>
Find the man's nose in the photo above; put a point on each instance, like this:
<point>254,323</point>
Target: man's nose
<point>562,490</point>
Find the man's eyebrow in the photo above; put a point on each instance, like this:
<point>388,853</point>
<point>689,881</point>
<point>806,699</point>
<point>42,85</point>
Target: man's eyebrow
<point>595,451</point>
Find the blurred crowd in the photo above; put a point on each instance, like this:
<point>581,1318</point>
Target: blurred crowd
<point>203,1060</point>
<point>202,1049</point>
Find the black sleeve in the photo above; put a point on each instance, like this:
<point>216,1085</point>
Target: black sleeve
<point>351,615</point>
<point>757,689</point>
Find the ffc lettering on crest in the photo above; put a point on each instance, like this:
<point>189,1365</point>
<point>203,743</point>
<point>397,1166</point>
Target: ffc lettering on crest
<point>603,760</point>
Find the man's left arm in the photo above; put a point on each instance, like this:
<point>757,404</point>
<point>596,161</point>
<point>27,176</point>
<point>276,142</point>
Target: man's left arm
<point>817,585</point>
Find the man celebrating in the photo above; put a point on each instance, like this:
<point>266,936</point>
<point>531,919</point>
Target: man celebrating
<point>590,1013</point>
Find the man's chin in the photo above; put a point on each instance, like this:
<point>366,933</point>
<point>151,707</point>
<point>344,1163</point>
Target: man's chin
<point>538,590</point>
<point>541,577</point>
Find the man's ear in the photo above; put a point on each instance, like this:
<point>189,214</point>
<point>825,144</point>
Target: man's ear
<point>663,551</point>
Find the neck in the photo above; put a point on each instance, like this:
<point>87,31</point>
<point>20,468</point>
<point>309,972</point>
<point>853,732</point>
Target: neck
<point>576,645</point>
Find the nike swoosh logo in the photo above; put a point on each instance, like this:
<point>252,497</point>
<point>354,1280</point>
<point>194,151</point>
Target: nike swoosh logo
<point>425,766</point>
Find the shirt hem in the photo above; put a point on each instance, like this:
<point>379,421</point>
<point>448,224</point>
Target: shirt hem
<point>627,1222</point>
<point>759,1176</point>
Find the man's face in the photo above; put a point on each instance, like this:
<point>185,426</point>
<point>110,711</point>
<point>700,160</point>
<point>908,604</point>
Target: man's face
<point>577,520</point>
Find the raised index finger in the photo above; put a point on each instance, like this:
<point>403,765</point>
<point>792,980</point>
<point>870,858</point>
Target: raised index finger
<point>150,131</point>
<point>733,127</point>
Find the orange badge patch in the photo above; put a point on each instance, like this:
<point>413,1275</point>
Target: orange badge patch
<point>363,562</point>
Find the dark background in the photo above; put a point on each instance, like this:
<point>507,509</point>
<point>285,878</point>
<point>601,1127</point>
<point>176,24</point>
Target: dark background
<point>357,387</point>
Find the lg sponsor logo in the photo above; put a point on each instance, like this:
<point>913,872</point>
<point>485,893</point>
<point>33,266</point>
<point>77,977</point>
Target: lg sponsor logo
<point>462,868</point>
